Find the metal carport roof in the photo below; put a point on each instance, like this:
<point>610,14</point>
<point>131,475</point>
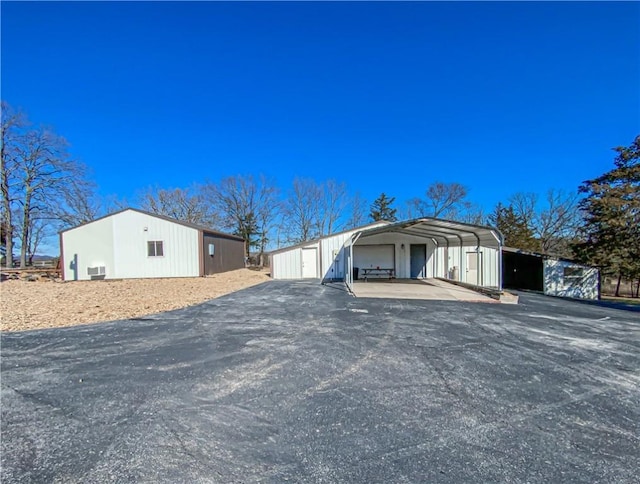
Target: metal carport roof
<point>442,231</point>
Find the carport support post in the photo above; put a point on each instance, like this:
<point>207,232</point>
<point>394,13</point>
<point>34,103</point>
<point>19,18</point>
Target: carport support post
<point>446,261</point>
<point>478,264</point>
<point>499,240</point>
<point>435,259</point>
<point>500,268</point>
<point>349,276</point>
<point>460,268</point>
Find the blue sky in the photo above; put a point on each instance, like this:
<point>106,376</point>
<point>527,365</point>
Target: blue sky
<point>502,97</point>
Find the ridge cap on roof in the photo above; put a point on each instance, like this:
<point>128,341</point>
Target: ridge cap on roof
<point>317,239</point>
<point>161,217</point>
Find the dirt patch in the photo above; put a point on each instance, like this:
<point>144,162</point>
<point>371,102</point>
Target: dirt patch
<point>34,305</point>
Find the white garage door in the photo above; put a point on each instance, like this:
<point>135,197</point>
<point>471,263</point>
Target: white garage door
<point>368,256</point>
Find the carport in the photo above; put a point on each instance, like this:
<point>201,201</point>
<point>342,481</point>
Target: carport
<point>425,248</point>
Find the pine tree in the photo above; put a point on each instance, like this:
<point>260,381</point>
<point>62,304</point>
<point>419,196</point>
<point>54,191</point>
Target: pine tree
<point>514,228</point>
<point>611,226</point>
<point>381,209</point>
<point>247,228</point>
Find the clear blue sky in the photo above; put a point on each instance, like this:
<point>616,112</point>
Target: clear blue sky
<point>501,97</point>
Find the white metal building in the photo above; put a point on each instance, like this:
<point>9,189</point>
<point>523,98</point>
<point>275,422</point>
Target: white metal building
<point>569,279</point>
<point>419,248</point>
<point>315,259</point>
<point>137,244</point>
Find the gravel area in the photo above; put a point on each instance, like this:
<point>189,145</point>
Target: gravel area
<point>36,305</point>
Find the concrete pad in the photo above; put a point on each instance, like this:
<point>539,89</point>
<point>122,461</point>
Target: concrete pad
<point>431,289</point>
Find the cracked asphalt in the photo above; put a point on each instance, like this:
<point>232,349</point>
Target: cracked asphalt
<point>297,382</point>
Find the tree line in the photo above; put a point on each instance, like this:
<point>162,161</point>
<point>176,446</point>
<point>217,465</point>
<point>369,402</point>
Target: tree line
<point>44,190</point>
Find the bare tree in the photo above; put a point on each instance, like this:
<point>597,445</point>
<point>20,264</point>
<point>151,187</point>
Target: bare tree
<point>524,206</point>
<point>300,212</point>
<point>472,214</point>
<point>113,203</point>
<point>40,229</point>
<point>186,204</point>
<point>331,205</point>
<point>445,200</point>
<point>267,211</point>
<point>46,171</point>
<point>41,183</point>
<point>557,224</point>
<point>248,207</point>
<point>12,125</point>
<point>554,224</point>
<point>358,216</point>
<point>78,203</point>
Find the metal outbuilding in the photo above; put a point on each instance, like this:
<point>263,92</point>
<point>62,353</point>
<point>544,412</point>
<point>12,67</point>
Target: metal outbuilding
<point>321,258</point>
<point>413,249</point>
<point>551,275</point>
<point>133,243</point>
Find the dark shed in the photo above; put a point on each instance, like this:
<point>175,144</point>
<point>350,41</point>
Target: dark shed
<point>221,253</point>
<point>521,270</point>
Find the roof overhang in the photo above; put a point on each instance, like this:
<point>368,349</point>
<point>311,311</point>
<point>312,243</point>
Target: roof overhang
<point>315,241</point>
<point>444,232</point>
<point>540,255</point>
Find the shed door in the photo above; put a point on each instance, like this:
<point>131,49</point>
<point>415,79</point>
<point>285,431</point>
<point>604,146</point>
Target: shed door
<point>474,262</point>
<point>310,263</point>
<point>418,260</point>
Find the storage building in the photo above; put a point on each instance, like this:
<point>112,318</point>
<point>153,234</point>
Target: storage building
<point>135,244</point>
<point>414,249</point>
<point>554,276</point>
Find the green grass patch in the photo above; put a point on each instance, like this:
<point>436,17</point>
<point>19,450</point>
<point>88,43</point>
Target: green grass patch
<point>625,300</point>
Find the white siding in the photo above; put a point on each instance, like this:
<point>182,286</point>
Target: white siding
<point>403,255</point>
<point>131,232</point>
<point>333,257</point>
<point>333,253</point>
<point>287,264</point>
<point>119,243</point>
<point>489,261</point>
<point>88,246</point>
<point>556,284</point>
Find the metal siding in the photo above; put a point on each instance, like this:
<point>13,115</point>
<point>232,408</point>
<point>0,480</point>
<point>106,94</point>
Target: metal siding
<point>180,247</point>
<point>287,265</point>
<point>453,260</point>
<point>440,258</point>
<point>333,267</point>
<point>555,283</point>
<point>89,245</point>
<point>403,256</point>
<point>490,263</point>
<point>228,254</point>
<point>489,266</point>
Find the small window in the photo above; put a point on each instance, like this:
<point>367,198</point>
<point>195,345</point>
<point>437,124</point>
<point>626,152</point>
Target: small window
<point>154,248</point>
<point>573,273</point>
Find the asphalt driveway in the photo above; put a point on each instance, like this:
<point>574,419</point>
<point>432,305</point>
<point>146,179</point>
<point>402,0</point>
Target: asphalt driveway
<point>292,381</point>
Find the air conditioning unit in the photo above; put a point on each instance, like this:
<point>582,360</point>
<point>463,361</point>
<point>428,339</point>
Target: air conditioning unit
<point>96,271</point>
